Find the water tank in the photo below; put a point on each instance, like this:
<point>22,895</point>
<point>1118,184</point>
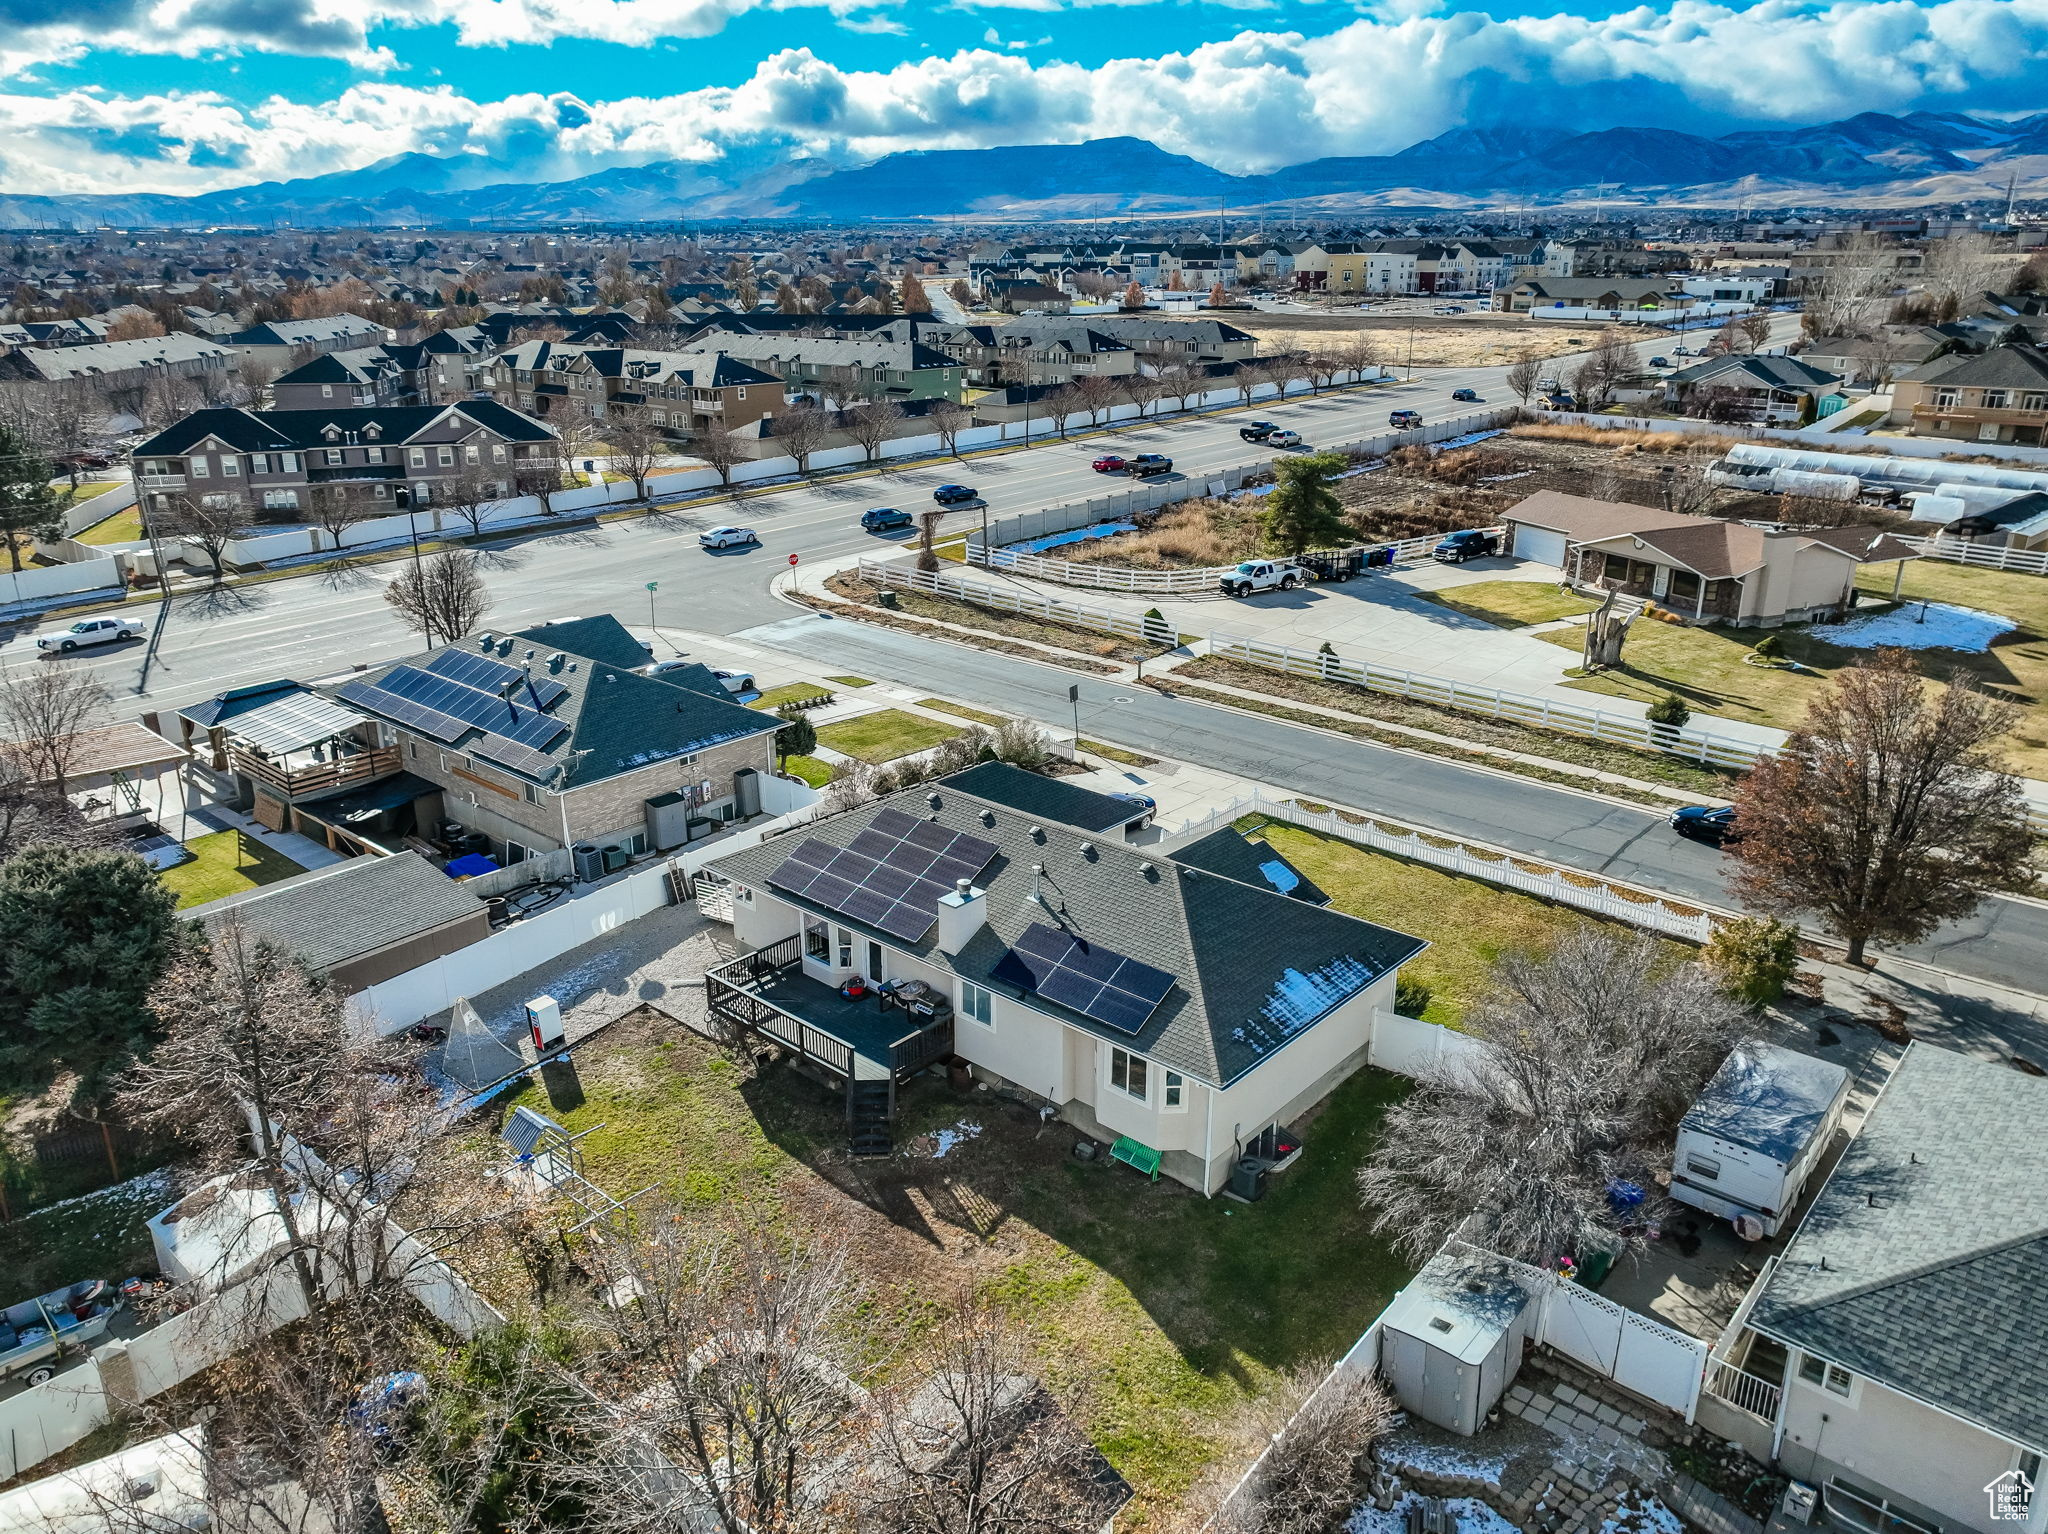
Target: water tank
<point>589,861</point>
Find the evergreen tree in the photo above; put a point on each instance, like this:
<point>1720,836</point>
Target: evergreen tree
<point>1303,513</point>
<point>30,506</point>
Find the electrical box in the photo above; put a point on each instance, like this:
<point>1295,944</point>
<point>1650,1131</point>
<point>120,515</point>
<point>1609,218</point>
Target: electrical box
<point>544,1017</point>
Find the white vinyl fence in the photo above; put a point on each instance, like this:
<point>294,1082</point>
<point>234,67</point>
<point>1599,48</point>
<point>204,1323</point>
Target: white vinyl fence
<point>1603,897</point>
<point>43,582</point>
<point>1014,599</point>
<point>1961,551</point>
<point>1900,447</point>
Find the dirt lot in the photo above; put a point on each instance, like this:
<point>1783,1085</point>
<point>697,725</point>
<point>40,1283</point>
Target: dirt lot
<point>1471,340</point>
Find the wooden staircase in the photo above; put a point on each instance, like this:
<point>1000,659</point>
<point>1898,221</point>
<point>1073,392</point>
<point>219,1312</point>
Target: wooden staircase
<point>869,1107</point>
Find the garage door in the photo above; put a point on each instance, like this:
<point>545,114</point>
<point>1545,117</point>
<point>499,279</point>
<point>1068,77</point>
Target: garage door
<point>1539,543</point>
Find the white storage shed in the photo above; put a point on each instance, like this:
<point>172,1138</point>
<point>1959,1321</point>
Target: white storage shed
<point>1451,1342</point>
<point>1754,1135</point>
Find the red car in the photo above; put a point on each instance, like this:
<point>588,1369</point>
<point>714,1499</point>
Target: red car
<point>1109,463</point>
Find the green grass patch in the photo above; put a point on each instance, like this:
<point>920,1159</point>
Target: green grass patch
<point>226,863</point>
<point>1512,604</point>
<point>1170,1308</point>
<point>1118,754</point>
<point>1468,923</point>
<point>851,681</point>
<point>962,711</point>
<point>121,527</point>
<point>883,736</point>
<point>89,488</point>
<point>789,692</point>
<point>810,769</point>
<point>95,1235</point>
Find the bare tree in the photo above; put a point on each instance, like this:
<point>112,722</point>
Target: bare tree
<point>1096,393</point>
<point>1957,271</point>
<point>1733,338</point>
<point>949,418</point>
<point>1591,1054</point>
<point>209,522</point>
<point>42,714</point>
<point>637,448</point>
<point>335,509</point>
<point>1524,374</point>
<point>1360,352</point>
<point>729,1403</point>
<point>972,1443</point>
<point>1322,368</point>
<point>1888,811</point>
<point>927,535</point>
<point>1842,296</point>
<point>1139,389</point>
<point>800,431</point>
<point>872,424</point>
<point>1304,1442</point>
<point>1182,383</point>
<point>1063,404</point>
<point>470,495</point>
<point>441,597</point>
<point>1756,329</point>
<point>1877,358</point>
<point>720,448</point>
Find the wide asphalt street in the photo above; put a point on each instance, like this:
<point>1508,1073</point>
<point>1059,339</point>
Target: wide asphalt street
<point>318,625</point>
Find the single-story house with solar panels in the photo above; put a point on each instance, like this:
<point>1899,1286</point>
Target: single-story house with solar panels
<point>1183,1009</point>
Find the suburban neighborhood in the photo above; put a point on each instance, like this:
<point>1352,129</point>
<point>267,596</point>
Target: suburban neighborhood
<point>1294,875</point>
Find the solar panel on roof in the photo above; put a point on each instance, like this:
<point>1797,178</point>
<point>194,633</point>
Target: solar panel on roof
<point>509,753</point>
<point>1085,977</point>
<point>890,876</point>
<point>474,670</point>
<point>391,705</point>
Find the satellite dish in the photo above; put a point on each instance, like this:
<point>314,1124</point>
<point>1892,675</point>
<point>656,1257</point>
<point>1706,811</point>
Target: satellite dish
<point>1749,1227</point>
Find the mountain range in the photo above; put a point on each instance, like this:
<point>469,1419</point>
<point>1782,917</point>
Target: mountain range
<point>1872,159</point>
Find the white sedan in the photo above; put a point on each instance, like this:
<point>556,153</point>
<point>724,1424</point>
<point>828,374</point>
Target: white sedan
<point>92,631</point>
<point>727,537</point>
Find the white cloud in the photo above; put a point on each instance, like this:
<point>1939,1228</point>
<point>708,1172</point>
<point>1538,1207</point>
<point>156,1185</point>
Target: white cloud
<point>1252,102</point>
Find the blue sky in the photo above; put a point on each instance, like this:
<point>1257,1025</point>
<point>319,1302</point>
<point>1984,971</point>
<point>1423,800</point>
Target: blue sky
<point>191,95</point>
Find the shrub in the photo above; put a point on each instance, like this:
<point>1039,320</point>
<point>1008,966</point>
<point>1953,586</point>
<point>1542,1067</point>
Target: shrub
<point>959,752</point>
<point>797,735</point>
<point>1022,744</point>
<point>1670,710</point>
<point>1412,996</point>
<point>1770,647</point>
<point>1753,957</point>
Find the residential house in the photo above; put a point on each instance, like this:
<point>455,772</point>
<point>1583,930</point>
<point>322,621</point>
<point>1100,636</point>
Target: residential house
<point>678,393</point>
<point>1020,295</point>
<point>369,375</point>
<point>1873,361</point>
<point>1698,569</point>
<point>1580,297</point>
<point>845,370</point>
<point>1895,1357</point>
<point>1999,396</point>
<point>388,456</point>
<point>1178,1015</point>
<point>505,745</point>
<point>1773,390</point>
<point>1034,351</point>
<point>121,370</point>
<point>279,344</point>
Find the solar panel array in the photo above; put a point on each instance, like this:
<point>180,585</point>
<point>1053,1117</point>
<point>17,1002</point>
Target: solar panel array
<point>457,693</point>
<point>1085,977</point>
<point>890,876</point>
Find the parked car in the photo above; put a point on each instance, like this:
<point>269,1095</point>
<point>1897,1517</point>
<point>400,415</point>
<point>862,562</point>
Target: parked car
<point>735,681</point>
<point>882,519</point>
<point>1448,309</point>
<point>727,537</point>
<point>90,632</point>
<point>1263,575</point>
<point>955,495</point>
<point>1109,463</point>
<point>1256,431</point>
<point>1466,396</point>
<point>1147,464</point>
<point>38,1332</point>
<point>1459,547</point>
<point>1714,825</point>
<point>1143,807</point>
<point>1404,420</point>
<point>1283,439</point>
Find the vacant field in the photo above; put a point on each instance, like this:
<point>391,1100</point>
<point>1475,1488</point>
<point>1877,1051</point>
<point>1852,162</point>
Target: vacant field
<point>1471,340</point>
<point>1164,1307</point>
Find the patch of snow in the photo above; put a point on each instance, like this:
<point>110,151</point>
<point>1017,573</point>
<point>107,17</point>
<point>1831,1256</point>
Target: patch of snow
<point>1059,540</point>
<point>1918,626</point>
<point>1299,997</point>
<point>1421,1456</point>
<point>1641,1513</point>
<point>1472,1515</point>
<point>944,1140</point>
<point>159,1187</point>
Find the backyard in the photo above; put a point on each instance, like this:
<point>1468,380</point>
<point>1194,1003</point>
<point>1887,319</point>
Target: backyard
<point>1166,1308</point>
<point>225,863</point>
<point>1706,666</point>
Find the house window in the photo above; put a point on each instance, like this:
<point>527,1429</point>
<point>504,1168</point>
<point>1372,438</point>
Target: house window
<point>1994,399</point>
<point>1947,399</point>
<point>1703,1166</point>
<point>259,463</point>
<point>199,468</point>
<point>447,457</point>
<point>373,454</point>
<point>845,945</point>
<point>1832,1378</point>
<point>2034,402</point>
<point>739,394</point>
<point>471,455</point>
<point>975,1002</point>
<point>334,455</point>
<point>419,458</point>
<point>817,942</point>
<point>1127,1073</point>
<point>327,391</point>
<point>1174,1093</point>
<point>532,794</point>
<point>280,500</point>
<point>497,452</point>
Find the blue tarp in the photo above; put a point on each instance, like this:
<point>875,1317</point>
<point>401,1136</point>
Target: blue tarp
<point>470,865</point>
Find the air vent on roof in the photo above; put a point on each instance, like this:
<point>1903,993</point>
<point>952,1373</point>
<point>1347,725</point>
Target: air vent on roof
<point>485,641</point>
<point>1088,851</point>
<point>988,817</point>
<point>555,661</point>
<point>1037,834</point>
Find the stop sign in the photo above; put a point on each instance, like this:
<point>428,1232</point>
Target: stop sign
<point>792,559</point>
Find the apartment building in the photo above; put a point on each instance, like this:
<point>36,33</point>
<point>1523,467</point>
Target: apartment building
<point>119,368</point>
<point>678,393</point>
<point>842,370</point>
<point>279,344</point>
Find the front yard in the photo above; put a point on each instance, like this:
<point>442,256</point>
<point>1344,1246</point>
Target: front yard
<point>225,863</point>
<point>1513,604</point>
<point>884,735</point>
<point>1167,1307</point>
<point>1705,666</point>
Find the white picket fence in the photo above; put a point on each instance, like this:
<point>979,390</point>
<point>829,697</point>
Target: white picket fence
<point>1603,897</point>
<point>1494,703</point>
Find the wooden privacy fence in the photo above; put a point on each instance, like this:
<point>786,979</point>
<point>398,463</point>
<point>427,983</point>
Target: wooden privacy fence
<point>1603,897</point>
<point>1493,703</point>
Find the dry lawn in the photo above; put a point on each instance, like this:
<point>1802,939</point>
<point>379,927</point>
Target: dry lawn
<point>1477,340</point>
<point>1193,535</point>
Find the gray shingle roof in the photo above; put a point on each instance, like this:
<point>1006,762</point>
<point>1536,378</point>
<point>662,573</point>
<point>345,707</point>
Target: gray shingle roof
<point>2003,367</point>
<point>1229,852</point>
<point>1920,1265</point>
<point>1254,968</point>
<point>332,915</point>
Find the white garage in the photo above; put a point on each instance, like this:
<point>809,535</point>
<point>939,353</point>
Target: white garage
<point>1545,545</point>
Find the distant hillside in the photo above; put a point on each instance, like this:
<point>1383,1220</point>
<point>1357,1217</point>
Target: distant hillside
<point>1924,156</point>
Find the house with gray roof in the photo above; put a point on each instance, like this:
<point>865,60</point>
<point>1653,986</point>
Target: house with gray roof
<point>1895,1356</point>
<point>1179,1011</point>
<point>1764,388</point>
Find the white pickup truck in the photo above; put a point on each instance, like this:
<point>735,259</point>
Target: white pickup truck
<point>1263,575</point>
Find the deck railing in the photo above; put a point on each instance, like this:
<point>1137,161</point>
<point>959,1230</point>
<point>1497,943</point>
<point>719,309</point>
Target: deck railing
<point>1744,1391</point>
<point>316,777</point>
<point>731,996</point>
<point>914,1051</point>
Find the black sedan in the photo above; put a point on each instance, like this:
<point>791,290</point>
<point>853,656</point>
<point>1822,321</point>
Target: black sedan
<point>1714,826</point>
